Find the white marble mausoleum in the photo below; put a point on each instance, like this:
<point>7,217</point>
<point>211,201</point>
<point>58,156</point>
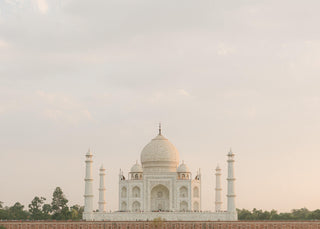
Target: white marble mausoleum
<point>159,187</point>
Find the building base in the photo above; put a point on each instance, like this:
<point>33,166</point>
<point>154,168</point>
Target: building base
<point>166,216</point>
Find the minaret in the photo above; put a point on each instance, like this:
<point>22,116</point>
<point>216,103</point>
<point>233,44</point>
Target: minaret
<point>102,190</point>
<point>88,194</point>
<point>119,191</point>
<point>159,128</point>
<point>218,189</point>
<point>231,194</point>
<point>200,179</point>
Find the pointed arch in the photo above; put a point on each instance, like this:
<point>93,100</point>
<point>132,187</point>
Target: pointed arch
<point>160,198</point>
<point>183,206</point>
<point>183,192</point>
<point>136,206</point>
<point>123,206</point>
<point>196,206</point>
<point>123,192</point>
<point>195,192</point>
<point>136,192</point>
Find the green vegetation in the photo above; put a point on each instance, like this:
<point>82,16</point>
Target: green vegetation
<point>59,210</point>
<point>157,222</point>
<point>39,210</point>
<point>36,208</point>
<point>295,214</point>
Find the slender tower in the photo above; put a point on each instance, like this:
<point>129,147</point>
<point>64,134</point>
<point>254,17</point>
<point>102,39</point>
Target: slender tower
<point>200,179</point>
<point>88,193</point>
<point>120,179</point>
<point>218,189</point>
<point>231,194</point>
<point>102,190</point>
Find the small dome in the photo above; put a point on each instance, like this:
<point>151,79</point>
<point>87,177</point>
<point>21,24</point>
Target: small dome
<point>136,168</point>
<point>159,155</point>
<point>183,168</point>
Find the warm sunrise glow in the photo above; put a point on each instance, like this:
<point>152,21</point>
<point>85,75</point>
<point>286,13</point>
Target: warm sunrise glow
<point>76,74</point>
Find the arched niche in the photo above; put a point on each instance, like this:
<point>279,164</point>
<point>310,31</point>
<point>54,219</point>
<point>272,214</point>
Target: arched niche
<point>195,192</point>
<point>136,207</point>
<point>183,192</point>
<point>183,206</point>
<point>196,206</point>
<point>124,192</point>
<point>160,198</point>
<point>123,206</point>
<point>136,192</point>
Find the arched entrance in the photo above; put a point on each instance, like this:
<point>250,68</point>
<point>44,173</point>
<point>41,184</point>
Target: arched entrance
<point>160,198</point>
<point>136,206</point>
<point>183,206</point>
<point>136,192</point>
<point>196,206</point>
<point>123,206</point>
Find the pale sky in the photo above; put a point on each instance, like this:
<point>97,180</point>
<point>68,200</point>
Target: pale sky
<point>244,74</point>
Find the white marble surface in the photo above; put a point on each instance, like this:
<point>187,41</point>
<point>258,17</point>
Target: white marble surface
<point>168,216</point>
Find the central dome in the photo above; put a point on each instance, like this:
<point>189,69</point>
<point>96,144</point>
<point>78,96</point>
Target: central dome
<point>159,155</point>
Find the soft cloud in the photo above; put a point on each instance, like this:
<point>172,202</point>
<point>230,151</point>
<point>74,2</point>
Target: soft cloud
<point>232,69</point>
<point>168,96</point>
<point>183,92</point>
<point>42,6</point>
<point>69,116</point>
<point>59,107</point>
<point>251,112</point>
<point>3,44</point>
<point>224,49</point>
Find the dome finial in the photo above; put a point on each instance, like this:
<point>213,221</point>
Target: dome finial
<point>159,128</point>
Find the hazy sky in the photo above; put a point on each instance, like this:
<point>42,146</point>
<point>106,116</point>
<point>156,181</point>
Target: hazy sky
<point>218,74</point>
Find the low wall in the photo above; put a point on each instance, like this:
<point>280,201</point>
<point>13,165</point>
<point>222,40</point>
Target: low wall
<point>160,225</point>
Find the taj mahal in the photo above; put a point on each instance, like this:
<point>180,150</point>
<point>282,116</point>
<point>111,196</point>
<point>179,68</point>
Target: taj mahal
<point>159,187</point>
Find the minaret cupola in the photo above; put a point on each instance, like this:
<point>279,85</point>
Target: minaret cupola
<point>183,172</point>
<point>136,171</point>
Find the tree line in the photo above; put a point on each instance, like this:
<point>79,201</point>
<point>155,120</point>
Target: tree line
<point>39,210</point>
<point>295,214</point>
<point>59,210</point>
